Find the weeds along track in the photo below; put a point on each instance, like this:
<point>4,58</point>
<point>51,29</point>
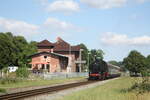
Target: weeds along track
<point>51,89</point>
<point>25,94</point>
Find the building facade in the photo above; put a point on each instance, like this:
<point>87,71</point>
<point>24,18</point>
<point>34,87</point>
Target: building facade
<point>56,57</point>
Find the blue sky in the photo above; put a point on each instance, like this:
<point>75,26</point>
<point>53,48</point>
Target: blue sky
<point>115,26</point>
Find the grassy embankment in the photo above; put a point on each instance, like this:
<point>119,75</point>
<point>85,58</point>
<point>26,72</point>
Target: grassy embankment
<point>36,82</point>
<point>113,90</point>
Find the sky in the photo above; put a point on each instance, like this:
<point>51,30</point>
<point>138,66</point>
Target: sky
<point>115,26</point>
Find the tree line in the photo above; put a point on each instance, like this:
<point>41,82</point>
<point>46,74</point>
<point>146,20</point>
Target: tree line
<point>137,63</point>
<point>14,50</point>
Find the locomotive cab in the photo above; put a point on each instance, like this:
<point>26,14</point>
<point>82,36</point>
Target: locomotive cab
<point>98,70</point>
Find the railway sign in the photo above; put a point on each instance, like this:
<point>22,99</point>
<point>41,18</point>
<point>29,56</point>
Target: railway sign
<point>81,62</point>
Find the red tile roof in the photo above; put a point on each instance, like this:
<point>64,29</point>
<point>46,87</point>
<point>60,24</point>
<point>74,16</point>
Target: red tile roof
<point>60,45</point>
<point>45,43</point>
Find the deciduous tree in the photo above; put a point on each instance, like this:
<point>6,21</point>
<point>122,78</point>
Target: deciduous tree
<point>135,62</point>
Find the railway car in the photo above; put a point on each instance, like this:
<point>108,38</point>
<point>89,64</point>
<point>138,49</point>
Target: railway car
<point>100,70</point>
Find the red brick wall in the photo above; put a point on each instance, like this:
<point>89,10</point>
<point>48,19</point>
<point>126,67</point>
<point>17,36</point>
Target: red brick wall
<point>53,62</point>
<point>74,55</point>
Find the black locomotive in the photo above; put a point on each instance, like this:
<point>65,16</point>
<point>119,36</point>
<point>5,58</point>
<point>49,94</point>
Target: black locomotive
<point>99,70</point>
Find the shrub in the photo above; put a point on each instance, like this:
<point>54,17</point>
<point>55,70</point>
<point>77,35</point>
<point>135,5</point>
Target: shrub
<point>22,72</point>
<point>2,90</point>
<point>5,70</point>
<point>140,87</point>
<point>8,80</point>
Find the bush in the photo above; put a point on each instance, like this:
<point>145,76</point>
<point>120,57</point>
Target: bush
<point>8,80</point>
<point>140,87</point>
<point>22,72</point>
<point>2,90</point>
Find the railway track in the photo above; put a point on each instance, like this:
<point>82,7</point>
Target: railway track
<point>29,93</point>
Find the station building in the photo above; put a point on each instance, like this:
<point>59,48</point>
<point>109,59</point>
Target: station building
<point>56,57</point>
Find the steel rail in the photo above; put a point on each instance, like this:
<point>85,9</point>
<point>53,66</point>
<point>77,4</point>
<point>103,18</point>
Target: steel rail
<point>28,93</point>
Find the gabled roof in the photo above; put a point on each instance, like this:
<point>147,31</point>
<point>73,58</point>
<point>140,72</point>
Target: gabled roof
<point>45,43</point>
<point>55,54</point>
<point>62,45</point>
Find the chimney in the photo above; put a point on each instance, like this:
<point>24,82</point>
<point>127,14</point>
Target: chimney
<point>59,39</point>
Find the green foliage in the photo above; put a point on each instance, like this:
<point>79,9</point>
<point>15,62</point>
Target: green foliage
<point>14,50</point>
<point>6,49</point>
<point>96,54</point>
<point>119,64</point>
<point>135,62</point>
<point>8,80</point>
<point>22,72</point>
<point>140,88</point>
<point>84,54</point>
<point>113,62</point>
<point>5,70</point>
<point>111,90</point>
<point>148,65</point>
<point>89,56</point>
<point>2,90</point>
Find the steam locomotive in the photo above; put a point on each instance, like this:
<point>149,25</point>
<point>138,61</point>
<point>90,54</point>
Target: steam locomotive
<point>100,70</point>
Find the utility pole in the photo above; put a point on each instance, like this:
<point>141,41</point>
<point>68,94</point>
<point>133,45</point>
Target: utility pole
<point>70,60</point>
<point>80,59</point>
<point>89,59</point>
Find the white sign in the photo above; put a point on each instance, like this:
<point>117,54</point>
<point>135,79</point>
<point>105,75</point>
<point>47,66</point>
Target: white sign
<point>81,62</point>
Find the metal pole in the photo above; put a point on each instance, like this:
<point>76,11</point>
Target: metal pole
<point>94,57</point>
<point>70,61</point>
<point>80,58</point>
<point>70,57</point>
<point>88,59</point>
<point>70,50</point>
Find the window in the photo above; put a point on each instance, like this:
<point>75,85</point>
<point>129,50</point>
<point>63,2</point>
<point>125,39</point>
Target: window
<point>42,66</point>
<point>45,57</point>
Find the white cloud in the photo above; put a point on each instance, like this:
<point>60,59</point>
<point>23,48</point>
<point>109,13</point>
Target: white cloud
<point>50,26</point>
<point>121,39</point>
<point>65,6</point>
<point>56,24</point>
<point>141,1</point>
<point>17,27</point>
<point>104,4</point>
<point>69,6</point>
<point>43,2</point>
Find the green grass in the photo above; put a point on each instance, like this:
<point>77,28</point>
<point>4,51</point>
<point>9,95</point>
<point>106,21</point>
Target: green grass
<point>37,82</point>
<point>113,90</point>
<point>2,90</point>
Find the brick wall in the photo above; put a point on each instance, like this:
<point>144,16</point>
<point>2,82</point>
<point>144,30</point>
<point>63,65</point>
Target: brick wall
<point>74,56</point>
<point>53,62</point>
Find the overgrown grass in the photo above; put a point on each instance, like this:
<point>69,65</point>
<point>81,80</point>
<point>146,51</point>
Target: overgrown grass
<point>2,90</point>
<point>8,80</point>
<point>32,83</point>
<point>140,88</point>
<point>113,90</point>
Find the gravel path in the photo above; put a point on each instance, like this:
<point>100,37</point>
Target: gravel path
<point>61,94</point>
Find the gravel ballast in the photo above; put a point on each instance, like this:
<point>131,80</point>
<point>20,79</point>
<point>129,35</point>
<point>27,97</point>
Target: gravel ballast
<point>61,94</point>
